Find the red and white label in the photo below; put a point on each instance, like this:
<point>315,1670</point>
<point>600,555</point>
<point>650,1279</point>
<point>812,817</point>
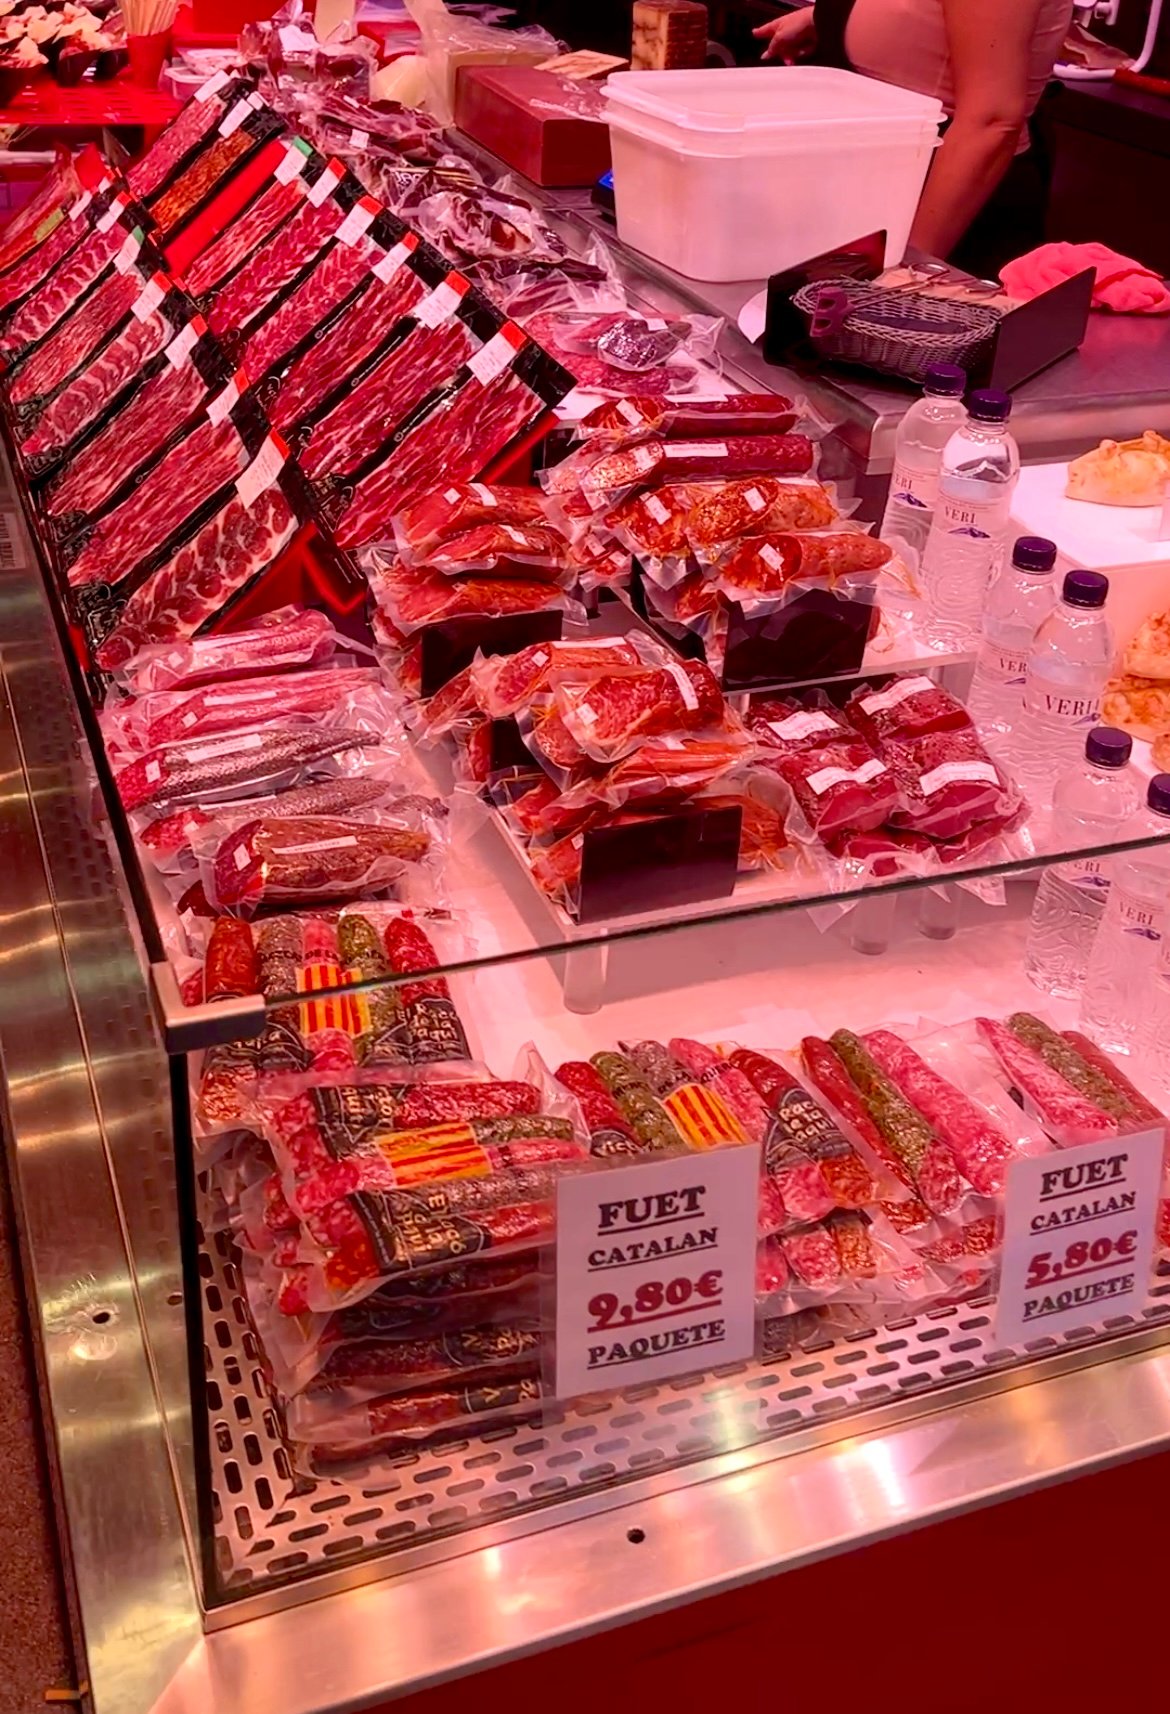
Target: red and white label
<point>895,694</point>
<point>263,470</point>
<point>291,166</point>
<point>224,402</point>
<point>820,782</point>
<point>110,218</point>
<point>440,305</point>
<point>393,259</point>
<point>494,357</point>
<point>149,298</point>
<point>326,183</point>
<point>685,688</point>
<point>128,254</point>
<point>235,116</point>
<point>957,773</point>
<point>183,344</point>
<point>224,747</point>
<point>217,81</point>
<point>359,219</point>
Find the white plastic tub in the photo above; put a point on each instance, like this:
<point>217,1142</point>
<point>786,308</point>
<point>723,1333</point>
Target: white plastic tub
<point>735,173</point>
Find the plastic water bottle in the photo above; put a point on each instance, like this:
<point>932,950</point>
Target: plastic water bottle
<point>1092,805</point>
<point>1018,602</point>
<point>918,448</point>
<point>1068,665</point>
<point>964,551</point>
<point>1116,1001</point>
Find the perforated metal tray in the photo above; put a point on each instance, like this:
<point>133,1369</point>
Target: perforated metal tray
<point>272,1524</point>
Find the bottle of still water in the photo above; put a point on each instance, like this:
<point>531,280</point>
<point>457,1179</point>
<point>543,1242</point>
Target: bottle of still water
<point>1068,664</point>
<point>1119,982</point>
<point>918,449</point>
<point>1018,602</point>
<point>1092,805</point>
<point>964,551</point>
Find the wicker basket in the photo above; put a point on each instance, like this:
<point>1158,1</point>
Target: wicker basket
<point>894,332</point>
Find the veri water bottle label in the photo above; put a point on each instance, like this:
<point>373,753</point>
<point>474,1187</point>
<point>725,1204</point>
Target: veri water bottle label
<point>1064,707</point>
<point>1089,875</point>
<point>1002,666</point>
<point>979,523</point>
<point>1137,916</point>
<point>915,488</point>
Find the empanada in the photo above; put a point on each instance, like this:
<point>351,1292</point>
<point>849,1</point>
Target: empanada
<point>1122,473</point>
<point>1148,655</point>
<point>1140,706</point>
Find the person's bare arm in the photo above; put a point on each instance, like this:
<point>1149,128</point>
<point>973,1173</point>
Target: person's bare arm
<point>989,42</point>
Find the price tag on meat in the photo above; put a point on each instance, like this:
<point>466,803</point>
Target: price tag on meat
<point>655,1269</point>
<point>1079,1236</point>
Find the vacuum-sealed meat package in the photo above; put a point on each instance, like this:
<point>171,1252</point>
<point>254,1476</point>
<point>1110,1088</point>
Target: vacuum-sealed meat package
<point>922,1152</point>
<point>905,709</point>
<point>287,637</point>
<point>836,778</point>
<point>613,711</point>
<point>201,115</point>
<point>946,783</point>
<point>293,860</point>
<point>1068,1116</point>
<point>65,291</point>
<point>504,684</point>
<point>459,507</point>
<point>635,417</point>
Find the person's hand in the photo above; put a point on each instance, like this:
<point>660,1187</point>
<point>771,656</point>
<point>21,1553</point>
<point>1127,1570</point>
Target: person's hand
<point>790,37</point>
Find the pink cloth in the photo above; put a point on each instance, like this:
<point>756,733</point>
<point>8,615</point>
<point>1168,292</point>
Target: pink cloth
<point>1123,286</point>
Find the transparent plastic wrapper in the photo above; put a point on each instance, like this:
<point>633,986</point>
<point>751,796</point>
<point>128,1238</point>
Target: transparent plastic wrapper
<point>36,320</point>
<point>634,417</point>
<point>452,511</point>
<point>1068,1116</point>
<point>758,506</point>
<point>472,1356</point>
<point>185,134</point>
<point>849,1257</point>
<point>412,599</point>
<point>545,735</point>
<point>504,684</point>
<point>601,481</point>
<point>617,349</point>
<point>247,764</point>
<point>760,571</point>
<point>905,709</point>
<point>396,1424</point>
<point>1140,1110</point>
<point>286,47</point>
<point>282,860</point>
<point>661,771</point>
<point>450,40</point>
<point>76,336</point>
<point>481,223</point>
<point>836,778</point>
<point>162,716</point>
<point>611,712</point>
<point>26,228</point>
<point>828,1076</point>
<point>230,969</point>
<point>170,837</point>
<point>765,806</point>
<point>947,782</point>
<point>537,552</point>
<point>287,637</point>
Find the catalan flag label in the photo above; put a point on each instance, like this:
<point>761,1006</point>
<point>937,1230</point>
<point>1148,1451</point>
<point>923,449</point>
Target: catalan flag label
<point>434,1152</point>
<point>703,1117</point>
<point>347,1012</point>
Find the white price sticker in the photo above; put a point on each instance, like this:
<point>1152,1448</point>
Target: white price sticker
<point>629,412</point>
<point>359,139</point>
<point>326,183</point>
<point>223,402</point>
<point>128,254</point>
<point>696,449</point>
<point>685,688</point>
<point>262,472</point>
<point>895,694</point>
<point>806,724</point>
<point>1078,1236</point>
<point>656,509</point>
<point>826,777</point>
<point>958,773</point>
<point>234,117</point>
<point>345,844</point>
<point>224,699</point>
<point>358,220</point>
<point>483,494</point>
<point>392,260</point>
<point>755,500</point>
<point>439,306</point>
<point>149,298</point>
<point>655,1269</point>
<point>291,166</point>
<point>493,358</point>
<point>214,84</point>
<point>183,344</point>
<point>80,206</point>
<point>111,215</point>
<point>225,747</point>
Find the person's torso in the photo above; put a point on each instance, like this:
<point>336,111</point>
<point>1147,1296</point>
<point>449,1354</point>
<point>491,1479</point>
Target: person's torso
<point>905,42</point>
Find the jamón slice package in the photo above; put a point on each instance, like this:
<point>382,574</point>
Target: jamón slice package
<point>74,222</point>
<point>32,224</point>
<point>64,294</point>
<point>335,203</point>
<point>184,137</point>
<point>295,169</point>
<point>110,376</point>
<point>241,133</point>
<point>137,426</point>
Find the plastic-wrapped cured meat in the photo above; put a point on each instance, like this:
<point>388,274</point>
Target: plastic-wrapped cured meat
<point>1068,1117</point>
<point>504,684</point>
<point>282,860</point>
<point>633,417</point>
<point>610,1133</point>
<point>433,1026</point>
<point>799,1123</point>
<point>653,463</point>
<point>230,968</point>
<point>924,1155</point>
<point>612,713</point>
<point>67,349</point>
<point>536,551</point>
<point>389,1424</point>
<point>946,783</point>
<point>412,599</point>
<point>82,401</point>
<point>1140,1109</point>
<point>196,181</point>
<point>65,291</point>
<point>341,348</point>
<point>1083,1076</point>
<point>661,771</point>
<point>752,506</point>
<point>828,1075</point>
<point>160,718</point>
<point>177,773</point>
<point>907,708</point>
<point>462,506</point>
<point>190,125</point>
<point>471,1356</point>
<point>737,1092</point>
<point>288,637</point>
<point>835,776</point>
<point>981,1150</point>
<point>654,524</point>
<point>340,269</point>
<point>272,268</point>
<point>46,258</point>
<point>698,1110</point>
<point>637,1102</point>
<point>238,240</point>
<point>770,565</point>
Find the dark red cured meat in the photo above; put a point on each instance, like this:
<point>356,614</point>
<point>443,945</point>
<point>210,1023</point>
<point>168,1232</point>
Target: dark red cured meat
<point>813,1257</point>
<point>552,743</point>
<point>451,705</point>
<point>409,949</point>
<point>530,807</point>
<point>830,1077</point>
<point>388,1423</point>
<point>223,557</point>
<point>66,350</point>
<point>236,243</point>
<point>470,1356</point>
<point>980,1148</point>
<point>710,1067</point>
<point>284,859</point>
<point>47,256</point>
<point>58,189</point>
<point>339,271</point>
<point>455,508</point>
<point>344,346</point>
<point>1140,1107</point>
<point>467,433</point>
<point>275,265</point>
<point>127,441</point>
<point>907,708</point>
<point>210,166</point>
<point>805,1126</point>
<point>612,713</point>
<point>65,290</point>
<point>1058,1105</point>
<point>768,564</point>
<point>946,782</point>
<point>835,776</point>
<point>272,644</point>
<point>609,1132</point>
<point>758,412</point>
<point>591,371</point>
<point>423,598</point>
<point>85,398</point>
<point>230,965</point>
<point>653,462</point>
<point>357,426</point>
<point>654,523</point>
<point>519,550</point>
<point>505,683</point>
<point>247,701</point>
<point>757,506</point>
<point>209,456</point>
<point>194,121</point>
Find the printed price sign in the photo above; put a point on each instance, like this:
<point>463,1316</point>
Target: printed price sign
<point>655,1269</point>
<point>1079,1236</point>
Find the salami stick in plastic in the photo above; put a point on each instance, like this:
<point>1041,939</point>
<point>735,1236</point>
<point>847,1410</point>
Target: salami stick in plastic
<point>803,1123</point>
<point>1065,1060</point>
<point>980,1148</point>
<point>1067,1116</point>
<point>1140,1107</point>
<point>927,1158</point>
<point>609,1132</point>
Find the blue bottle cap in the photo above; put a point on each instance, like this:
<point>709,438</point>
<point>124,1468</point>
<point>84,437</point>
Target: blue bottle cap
<point>1034,553</point>
<point>945,380</point>
<point>987,407</point>
<point>1085,588</point>
<point>1108,747</point>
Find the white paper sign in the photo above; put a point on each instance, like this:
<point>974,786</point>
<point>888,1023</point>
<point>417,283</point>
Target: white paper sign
<point>1079,1236</point>
<point>655,1269</point>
